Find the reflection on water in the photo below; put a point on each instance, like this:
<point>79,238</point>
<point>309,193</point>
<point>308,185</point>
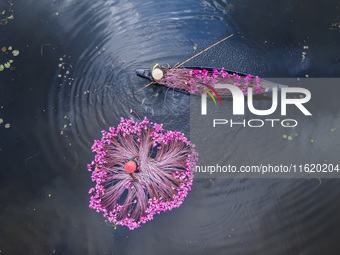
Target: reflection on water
<point>56,111</point>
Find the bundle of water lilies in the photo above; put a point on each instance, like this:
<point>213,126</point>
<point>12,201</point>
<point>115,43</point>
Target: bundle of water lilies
<point>192,80</point>
<point>140,170</point>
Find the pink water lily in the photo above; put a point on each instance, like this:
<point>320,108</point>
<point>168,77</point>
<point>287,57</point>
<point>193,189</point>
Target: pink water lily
<point>192,80</point>
<point>166,162</point>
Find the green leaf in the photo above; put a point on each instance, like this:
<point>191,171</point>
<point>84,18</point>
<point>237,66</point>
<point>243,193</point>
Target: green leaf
<point>284,136</point>
<point>2,68</point>
<point>7,65</point>
<point>15,53</point>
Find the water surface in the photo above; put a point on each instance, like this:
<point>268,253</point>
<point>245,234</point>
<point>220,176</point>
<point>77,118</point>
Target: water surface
<point>75,76</point>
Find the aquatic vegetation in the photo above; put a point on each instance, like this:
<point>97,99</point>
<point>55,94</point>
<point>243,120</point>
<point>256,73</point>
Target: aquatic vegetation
<point>289,137</point>
<point>7,125</point>
<point>65,72</point>
<point>6,54</point>
<point>191,80</point>
<point>333,129</point>
<point>140,170</point>
<point>335,24</point>
<point>15,53</point>
<point>6,14</point>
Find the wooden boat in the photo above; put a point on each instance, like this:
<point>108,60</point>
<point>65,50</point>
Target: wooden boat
<point>198,80</point>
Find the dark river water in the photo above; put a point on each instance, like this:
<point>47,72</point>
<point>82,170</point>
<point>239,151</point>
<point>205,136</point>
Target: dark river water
<point>75,76</point>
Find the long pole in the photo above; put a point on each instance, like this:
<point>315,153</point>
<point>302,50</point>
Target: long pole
<point>188,60</point>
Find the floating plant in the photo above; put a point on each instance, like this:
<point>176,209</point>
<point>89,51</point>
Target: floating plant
<point>6,55</point>
<point>65,72</point>
<point>6,14</point>
<point>140,170</point>
<point>335,24</point>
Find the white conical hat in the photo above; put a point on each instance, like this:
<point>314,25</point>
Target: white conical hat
<point>157,73</point>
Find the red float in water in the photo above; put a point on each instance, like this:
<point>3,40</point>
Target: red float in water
<point>130,166</point>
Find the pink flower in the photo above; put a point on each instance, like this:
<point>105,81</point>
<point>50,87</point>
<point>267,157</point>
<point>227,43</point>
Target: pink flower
<point>246,83</point>
<point>237,80</point>
<point>191,80</point>
<point>204,73</point>
<point>152,149</point>
<point>224,74</point>
<point>258,86</point>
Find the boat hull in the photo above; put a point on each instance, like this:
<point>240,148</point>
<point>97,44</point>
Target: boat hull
<point>194,80</point>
